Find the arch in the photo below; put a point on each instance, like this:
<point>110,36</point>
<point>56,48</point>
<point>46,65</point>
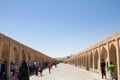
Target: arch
<point>23,57</point>
<point>15,56</point>
<point>29,56</point>
<point>6,56</point>
<point>91,60</point>
<point>84,60</point>
<point>87,62</point>
<point>5,52</point>
<point>96,60</point>
<point>104,56</point>
<point>113,58</point>
<point>80,61</point>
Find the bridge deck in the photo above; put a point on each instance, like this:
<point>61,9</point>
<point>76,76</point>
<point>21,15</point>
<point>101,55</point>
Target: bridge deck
<point>67,72</point>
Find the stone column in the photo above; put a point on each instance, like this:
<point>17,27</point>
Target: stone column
<point>118,56</point>
<point>9,62</point>
<point>0,47</point>
<point>99,68</point>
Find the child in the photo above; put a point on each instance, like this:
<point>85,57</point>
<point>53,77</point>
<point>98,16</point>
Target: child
<point>40,70</point>
<point>15,76</point>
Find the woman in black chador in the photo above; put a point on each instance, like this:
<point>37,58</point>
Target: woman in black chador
<point>23,71</point>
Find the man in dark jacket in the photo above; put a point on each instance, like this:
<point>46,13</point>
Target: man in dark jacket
<point>23,71</point>
<point>103,72</point>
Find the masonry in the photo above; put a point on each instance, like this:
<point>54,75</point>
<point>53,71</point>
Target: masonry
<point>16,52</point>
<point>108,49</point>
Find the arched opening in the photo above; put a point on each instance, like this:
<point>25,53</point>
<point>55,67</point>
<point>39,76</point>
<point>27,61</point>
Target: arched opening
<point>84,60</point>
<point>5,53</point>
<point>80,60</point>
<point>29,56</point>
<point>96,60</point>
<point>87,62</point>
<point>104,56</point>
<point>15,56</point>
<point>23,57</point>
<point>6,56</point>
<point>91,60</point>
<point>113,58</point>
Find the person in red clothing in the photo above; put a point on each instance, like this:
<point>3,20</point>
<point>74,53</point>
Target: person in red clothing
<point>15,76</point>
<point>40,70</point>
<point>49,67</point>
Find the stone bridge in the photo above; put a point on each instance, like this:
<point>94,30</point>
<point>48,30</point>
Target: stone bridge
<point>108,49</point>
<point>13,51</point>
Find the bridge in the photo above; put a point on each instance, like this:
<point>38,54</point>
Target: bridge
<point>89,59</point>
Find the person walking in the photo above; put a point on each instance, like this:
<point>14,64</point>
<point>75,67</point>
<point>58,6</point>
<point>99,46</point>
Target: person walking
<point>4,70</point>
<point>49,67</point>
<point>15,77</point>
<point>12,68</point>
<point>23,71</point>
<point>111,70</point>
<point>0,69</point>
<point>40,70</point>
<point>103,72</point>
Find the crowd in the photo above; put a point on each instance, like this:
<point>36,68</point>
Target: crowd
<point>25,70</point>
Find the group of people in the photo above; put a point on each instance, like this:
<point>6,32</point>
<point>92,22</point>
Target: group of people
<point>110,67</point>
<point>32,68</point>
<point>36,67</point>
<point>25,69</point>
<point>3,70</point>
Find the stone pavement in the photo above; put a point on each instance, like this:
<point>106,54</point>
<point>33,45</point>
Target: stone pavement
<point>67,72</point>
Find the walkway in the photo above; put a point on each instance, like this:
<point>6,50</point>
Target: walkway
<point>67,72</point>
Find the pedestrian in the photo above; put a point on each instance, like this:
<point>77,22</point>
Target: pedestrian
<point>36,68</point>
<point>111,70</point>
<point>0,69</point>
<point>23,71</point>
<point>15,77</point>
<point>55,64</point>
<point>4,70</point>
<point>103,72</point>
<point>40,70</point>
<point>49,67</point>
<point>12,68</point>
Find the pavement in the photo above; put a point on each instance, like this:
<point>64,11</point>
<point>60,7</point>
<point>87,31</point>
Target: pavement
<point>67,72</point>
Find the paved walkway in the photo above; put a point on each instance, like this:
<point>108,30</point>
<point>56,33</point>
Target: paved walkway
<point>67,72</point>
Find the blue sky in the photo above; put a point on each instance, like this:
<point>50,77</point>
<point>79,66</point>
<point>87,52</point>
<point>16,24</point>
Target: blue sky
<point>59,28</point>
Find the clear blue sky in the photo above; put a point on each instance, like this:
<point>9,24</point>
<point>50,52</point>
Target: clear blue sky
<point>59,28</point>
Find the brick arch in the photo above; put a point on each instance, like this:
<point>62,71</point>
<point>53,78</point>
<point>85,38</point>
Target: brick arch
<point>103,55</point>
<point>80,60</point>
<point>29,56</point>
<point>6,56</point>
<point>87,61</point>
<point>5,52</point>
<point>23,55</point>
<point>35,55</point>
<point>83,60</point>
<point>96,57</point>
<point>15,57</point>
<point>113,57</point>
<point>91,60</point>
